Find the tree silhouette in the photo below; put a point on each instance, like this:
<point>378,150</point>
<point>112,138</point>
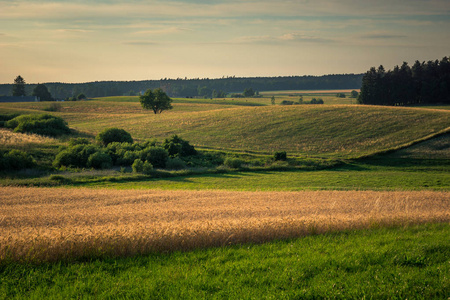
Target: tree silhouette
<point>18,87</point>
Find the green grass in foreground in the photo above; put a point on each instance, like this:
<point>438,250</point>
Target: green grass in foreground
<point>370,174</point>
<point>358,177</point>
<point>395,263</point>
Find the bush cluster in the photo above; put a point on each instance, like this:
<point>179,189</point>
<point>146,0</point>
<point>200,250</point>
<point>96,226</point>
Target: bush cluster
<point>111,135</point>
<point>280,155</point>
<point>176,146</point>
<point>116,147</point>
<point>39,124</point>
<point>15,160</point>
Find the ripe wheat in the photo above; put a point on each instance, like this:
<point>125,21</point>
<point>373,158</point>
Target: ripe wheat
<point>44,224</point>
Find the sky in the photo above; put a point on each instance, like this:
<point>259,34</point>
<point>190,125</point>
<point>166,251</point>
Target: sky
<point>97,40</point>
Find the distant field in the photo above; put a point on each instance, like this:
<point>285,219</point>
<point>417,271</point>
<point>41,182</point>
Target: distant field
<point>42,224</point>
<point>340,131</point>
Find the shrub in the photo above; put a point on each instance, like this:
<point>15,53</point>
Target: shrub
<point>6,117</point>
<point>175,163</point>
<point>140,166</point>
<point>176,146</point>
<point>316,101</point>
<point>111,135</point>
<point>76,156</point>
<point>40,124</point>
<point>147,168</point>
<point>287,102</point>
<point>234,163</point>
<point>127,158</point>
<point>280,155</point>
<point>157,156</point>
<point>137,166</point>
<point>99,160</point>
<point>15,160</point>
<point>78,141</point>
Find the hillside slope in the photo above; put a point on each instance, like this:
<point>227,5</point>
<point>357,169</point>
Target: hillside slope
<point>341,131</point>
<point>331,131</point>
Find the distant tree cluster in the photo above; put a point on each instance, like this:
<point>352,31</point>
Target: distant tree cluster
<point>423,83</point>
<point>196,87</point>
<point>300,101</point>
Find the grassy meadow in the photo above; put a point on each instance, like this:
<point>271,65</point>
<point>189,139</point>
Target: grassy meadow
<point>360,209</point>
<point>333,131</point>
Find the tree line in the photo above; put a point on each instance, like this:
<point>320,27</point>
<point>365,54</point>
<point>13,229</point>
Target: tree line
<point>198,87</point>
<point>423,83</point>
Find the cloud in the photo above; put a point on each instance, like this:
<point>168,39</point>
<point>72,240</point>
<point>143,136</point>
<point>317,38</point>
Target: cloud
<point>140,43</point>
<point>382,35</point>
<point>71,30</point>
<point>169,30</point>
<point>298,37</point>
<point>220,9</point>
<point>285,38</point>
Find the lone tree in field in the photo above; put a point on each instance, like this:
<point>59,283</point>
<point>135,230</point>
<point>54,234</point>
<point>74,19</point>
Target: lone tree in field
<point>18,87</point>
<point>248,92</point>
<point>42,92</point>
<point>155,100</point>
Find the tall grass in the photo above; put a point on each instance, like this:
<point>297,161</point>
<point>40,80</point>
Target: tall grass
<point>42,224</point>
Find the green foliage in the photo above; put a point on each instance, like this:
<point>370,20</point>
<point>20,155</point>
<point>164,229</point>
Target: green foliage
<point>76,156</point>
<point>111,135</point>
<point>157,156</point>
<point>426,82</point>
<point>147,168</point>
<point>140,166</point>
<point>248,92</point>
<point>18,87</point>
<point>176,146</point>
<point>81,96</point>
<point>340,95</point>
<point>354,94</point>
<point>286,102</point>
<point>6,117</point>
<point>15,160</point>
<point>155,100</point>
<point>137,166</point>
<point>78,141</point>
<point>42,93</point>
<point>272,100</point>
<point>175,163</point>
<point>316,101</point>
<point>219,94</point>
<point>234,163</point>
<point>39,124</point>
<point>99,160</point>
<point>281,155</point>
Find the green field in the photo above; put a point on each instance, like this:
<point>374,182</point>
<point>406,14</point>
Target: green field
<point>396,263</point>
<point>339,131</point>
<point>335,146</point>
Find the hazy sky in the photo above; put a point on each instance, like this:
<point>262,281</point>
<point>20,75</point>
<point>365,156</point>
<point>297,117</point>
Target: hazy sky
<point>95,40</point>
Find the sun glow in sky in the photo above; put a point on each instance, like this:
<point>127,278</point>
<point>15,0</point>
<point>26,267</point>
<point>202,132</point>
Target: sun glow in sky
<point>95,40</point>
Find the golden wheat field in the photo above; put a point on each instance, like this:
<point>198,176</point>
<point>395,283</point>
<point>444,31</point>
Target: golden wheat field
<point>48,224</point>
